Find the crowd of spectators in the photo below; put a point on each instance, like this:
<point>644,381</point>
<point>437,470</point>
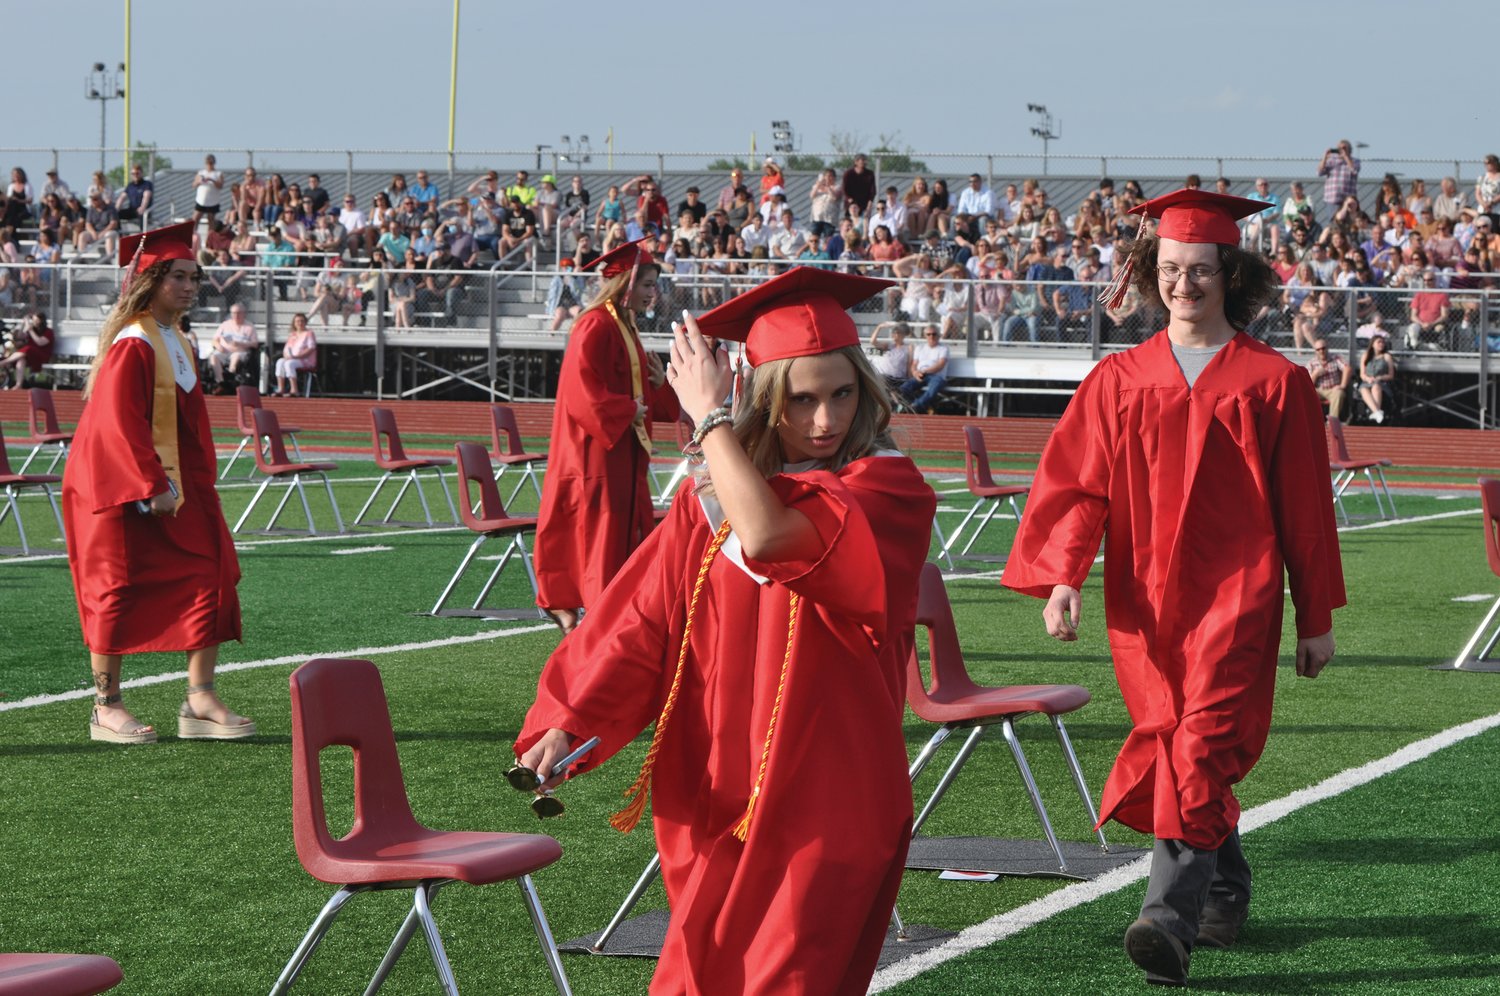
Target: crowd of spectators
<point>1009,261</point>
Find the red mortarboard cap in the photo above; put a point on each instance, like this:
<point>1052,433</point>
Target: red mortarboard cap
<point>1189,215</point>
<point>171,242</point>
<point>800,313</point>
<point>622,258</point>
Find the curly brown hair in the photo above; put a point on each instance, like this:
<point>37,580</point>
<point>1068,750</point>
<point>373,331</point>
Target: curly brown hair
<point>1249,280</point>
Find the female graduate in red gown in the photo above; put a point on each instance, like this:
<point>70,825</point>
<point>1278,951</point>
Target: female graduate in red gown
<point>1199,454</point>
<point>765,626</point>
<point>596,504</point>
<point>153,565</point>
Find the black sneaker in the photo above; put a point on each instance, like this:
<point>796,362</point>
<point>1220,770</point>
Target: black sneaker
<point>1219,926</point>
<point>1152,947</point>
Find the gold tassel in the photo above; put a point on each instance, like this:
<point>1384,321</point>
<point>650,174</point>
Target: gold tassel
<point>742,828</point>
<point>1119,284</point>
<point>626,819</point>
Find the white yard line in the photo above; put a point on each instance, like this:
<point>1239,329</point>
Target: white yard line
<point>1011,922</point>
<point>398,648</point>
<point>1384,523</point>
<point>360,549</point>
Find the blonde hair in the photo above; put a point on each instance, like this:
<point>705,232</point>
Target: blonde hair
<point>764,401</point>
<point>135,300</point>
<point>613,288</point>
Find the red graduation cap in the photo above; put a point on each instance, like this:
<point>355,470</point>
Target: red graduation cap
<point>622,259</point>
<point>1189,215</point>
<point>799,313</point>
<point>171,242</point>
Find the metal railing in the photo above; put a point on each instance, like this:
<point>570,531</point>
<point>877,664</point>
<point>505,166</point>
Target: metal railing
<point>501,312</point>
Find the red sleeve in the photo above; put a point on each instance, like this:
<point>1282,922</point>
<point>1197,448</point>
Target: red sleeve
<point>589,395</point>
<point>1069,500</point>
<point>663,403</point>
<point>869,518</point>
<point>607,678</point>
<point>1304,520</point>
<point>122,465</point>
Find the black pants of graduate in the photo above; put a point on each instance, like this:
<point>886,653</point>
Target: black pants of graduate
<point>1184,879</point>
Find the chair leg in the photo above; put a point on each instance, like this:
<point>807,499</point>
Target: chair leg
<point>338,517</point>
<point>30,457</point>
<point>1015,507</point>
<point>421,496</point>
<point>510,551</point>
<point>942,543</point>
<point>452,508</point>
<point>898,923</point>
<point>15,511</point>
<point>1484,627</point>
<point>1078,782</point>
<point>291,437</point>
<point>1380,471</point>
<point>983,523</point>
<point>253,501</point>
<point>536,590</point>
<point>393,953</point>
<point>313,938</point>
<point>244,441</point>
<point>938,738</point>
<point>947,779</point>
<point>653,868</point>
<point>1008,729</point>
<point>371,500</point>
<point>423,905</point>
<point>62,451</point>
<point>520,483</point>
<point>544,935</point>
<point>462,567</point>
<point>306,508</point>
<point>56,512</point>
<point>536,481</point>
<point>1374,493</point>
<point>957,533</point>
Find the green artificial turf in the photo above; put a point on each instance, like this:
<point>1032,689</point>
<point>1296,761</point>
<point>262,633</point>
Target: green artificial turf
<point>177,859</point>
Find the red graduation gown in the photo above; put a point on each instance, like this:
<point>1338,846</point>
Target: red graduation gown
<point>596,505</point>
<point>145,582</point>
<point>1204,496</point>
<point>801,906</point>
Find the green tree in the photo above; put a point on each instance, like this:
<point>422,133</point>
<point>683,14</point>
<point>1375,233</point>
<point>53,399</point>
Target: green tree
<point>725,165</point>
<point>805,164</point>
<point>141,154</point>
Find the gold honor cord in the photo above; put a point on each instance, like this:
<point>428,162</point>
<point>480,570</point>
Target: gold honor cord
<point>164,406</point>
<point>637,385</point>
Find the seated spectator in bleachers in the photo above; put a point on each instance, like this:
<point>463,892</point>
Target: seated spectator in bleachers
<point>50,216</point>
<point>547,206</point>
<point>10,249</point>
<point>279,255</point>
<point>564,295</point>
<point>1131,319</point>
<point>812,252</point>
<point>951,300</point>
<point>942,251</point>
<point>687,228</point>
<point>1330,377</point>
<point>1430,308</point>
<point>639,226</point>
<point>316,194</point>
<point>394,240</point>
<point>401,294</point>
<point>894,361</point>
<point>1377,375</point>
<point>34,351</point>
<point>929,365</point>
<point>54,185</point>
<point>443,282</point>
<point>1285,264</point>
<point>396,191</point>
<point>1389,197</point>
<point>859,222</point>
<point>757,234</point>
<point>99,184</point>
<point>1323,265</point>
<point>726,193</point>
<point>1026,226</point>
<point>234,343</point>
<point>353,220</point>
<point>859,184</point>
<point>224,279</point>
<point>885,250</point>
<point>918,204</point>
<point>408,212</point>
<point>518,228</point>
<point>521,190</point>
<point>611,211</point>
<point>740,210</point>
<point>328,235</point>
<point>364,238</point>
<point>1442,248</point>
<point>941,215</point>
<point>424,241</point>
<point>914,297</point>
<point>299,353</point>
<point>1309,305</point>
<point>574,218</point>
<point>1399,233</point>
<point>134,200</point>
<point>976,199</point>
<point>788,239</point>
<point>1291,208</point>
<point>487,184</point>
<point>248,198</point>
<point>101,227</point>
<point>890,212</point>
<point>272,202</point>
<point>1449,200</point>
<point>855,254</point>
<point>328,291</point>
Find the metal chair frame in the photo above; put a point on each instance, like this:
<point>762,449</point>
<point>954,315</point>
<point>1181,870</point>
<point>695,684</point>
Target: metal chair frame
<point>278,467</point>
<point>48,432</point>
<point>13,490</point>
<point>1488,629</point>
<point>1346,470</point>
<point>470,458</point>
<point>385,425</point>
<point>977,475</point>
<point>247,398</point>
<point>503,424</point>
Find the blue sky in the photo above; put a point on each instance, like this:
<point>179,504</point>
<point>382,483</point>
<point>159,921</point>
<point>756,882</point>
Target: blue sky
<point>1273,78</point>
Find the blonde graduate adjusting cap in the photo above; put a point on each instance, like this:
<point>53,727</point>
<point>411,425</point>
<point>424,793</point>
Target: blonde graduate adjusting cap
<point>802,312</point>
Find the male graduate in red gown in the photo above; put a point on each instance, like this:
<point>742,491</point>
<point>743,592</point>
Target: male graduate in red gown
<point>1200,456</point>
<point>766,625</point>
<point>596,503</point>
<point>153,564</point>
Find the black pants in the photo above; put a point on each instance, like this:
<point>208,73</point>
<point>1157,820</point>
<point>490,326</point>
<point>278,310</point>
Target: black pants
<point>1184,879</point>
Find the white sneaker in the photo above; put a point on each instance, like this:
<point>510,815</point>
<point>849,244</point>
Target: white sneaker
<point>1377,416</point>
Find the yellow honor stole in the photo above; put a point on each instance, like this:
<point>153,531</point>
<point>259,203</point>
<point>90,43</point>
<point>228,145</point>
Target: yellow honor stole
<point>637,387</point>
<point>164,404</point>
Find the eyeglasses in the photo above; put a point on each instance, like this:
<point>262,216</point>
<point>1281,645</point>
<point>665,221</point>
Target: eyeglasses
<point>1171,272</point>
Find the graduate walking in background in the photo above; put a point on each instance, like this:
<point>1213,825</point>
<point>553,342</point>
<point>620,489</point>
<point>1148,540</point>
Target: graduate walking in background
<point>1200,456</point>
<point>766,627</point>
<point>596,502</point>
<point>153,565</point>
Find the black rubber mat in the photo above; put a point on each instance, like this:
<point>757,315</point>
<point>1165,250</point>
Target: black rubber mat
<point>1009,856</point>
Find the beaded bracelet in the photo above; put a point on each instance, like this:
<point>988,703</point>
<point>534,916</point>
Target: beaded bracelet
<point>711,421</point>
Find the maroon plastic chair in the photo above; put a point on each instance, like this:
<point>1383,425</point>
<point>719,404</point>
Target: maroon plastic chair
<point>390,456</point>
<point>14,484</point>
<point>680,468</point>
<point>509,451</point>
<point>984,489</point>
<point>246,401</point>
<point>272,461</point>
<point>1467,660</point>
<point>948,696</point>
<point>45,430</point>
<point>1345,469</point>
<point>491,521</point>
<point>341,703</point>
<point>57,974</point>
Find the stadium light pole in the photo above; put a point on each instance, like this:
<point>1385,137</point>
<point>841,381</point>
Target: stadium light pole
<point>1043,129</point>
<point>125,68</point>
<point>452,95</point>
<point>103,86</point>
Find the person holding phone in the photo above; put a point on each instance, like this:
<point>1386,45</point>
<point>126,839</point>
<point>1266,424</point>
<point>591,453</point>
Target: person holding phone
<point>1340,172</point>
<point>766,625</point>
<point>153,564</point>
